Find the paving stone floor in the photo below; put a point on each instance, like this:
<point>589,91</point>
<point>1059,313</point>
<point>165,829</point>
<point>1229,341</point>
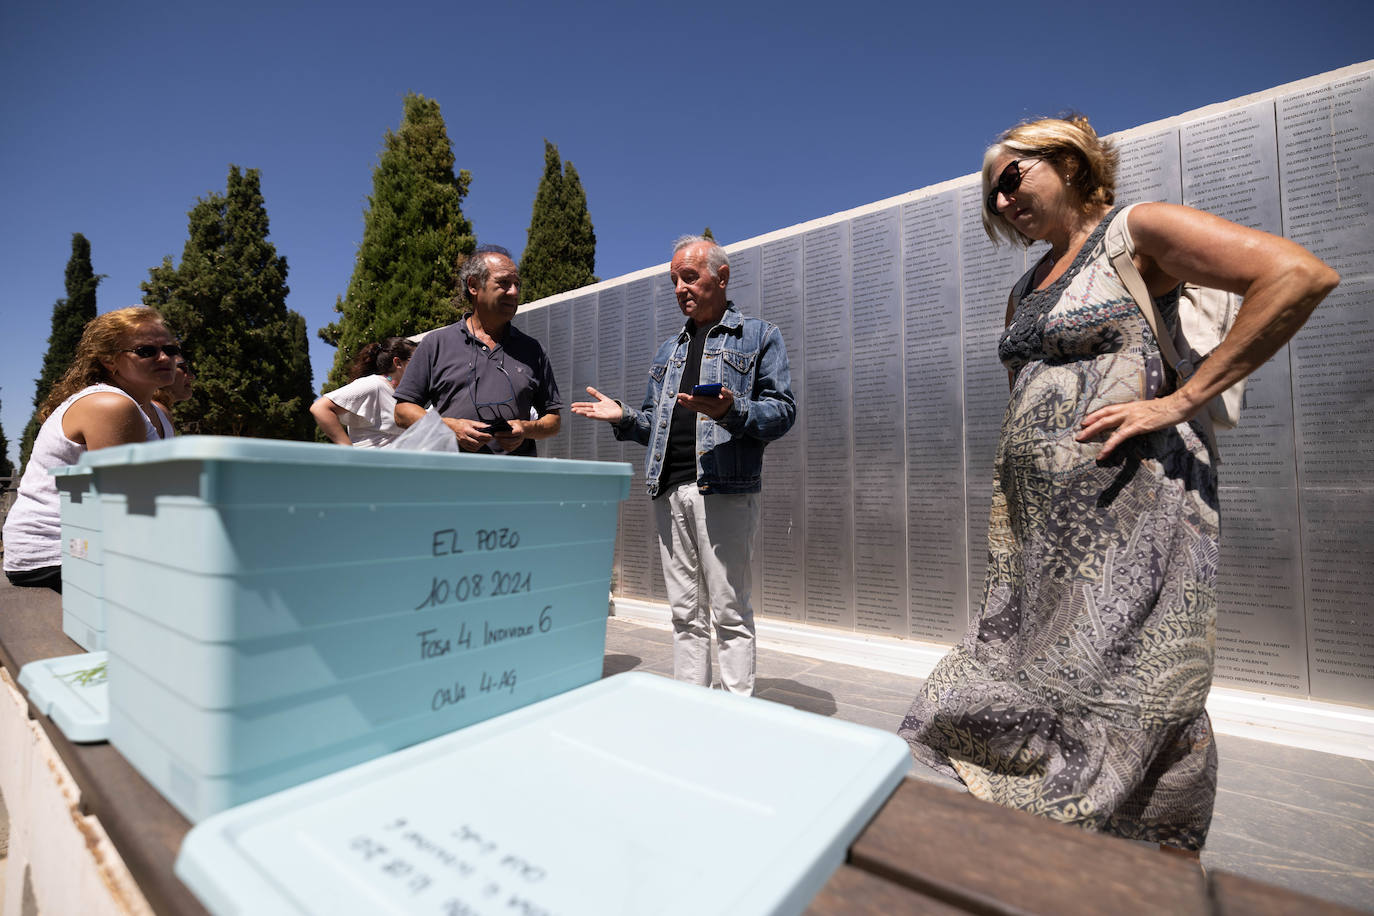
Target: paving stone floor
<point>1295,818</point>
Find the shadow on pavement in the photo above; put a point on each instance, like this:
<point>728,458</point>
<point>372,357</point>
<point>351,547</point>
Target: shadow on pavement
<point>619,664</point>
<point>795,694</point>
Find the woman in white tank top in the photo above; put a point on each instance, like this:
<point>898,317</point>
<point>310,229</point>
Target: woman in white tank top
<point>104,399</point>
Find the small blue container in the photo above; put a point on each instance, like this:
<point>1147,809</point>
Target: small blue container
<point>278,610</point>
<point>83,611</point>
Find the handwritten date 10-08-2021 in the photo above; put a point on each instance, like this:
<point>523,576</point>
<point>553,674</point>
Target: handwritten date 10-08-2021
<point>495,584</point>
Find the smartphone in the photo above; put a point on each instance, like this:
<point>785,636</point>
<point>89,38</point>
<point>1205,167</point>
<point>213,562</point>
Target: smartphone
<point>498,426</point>
<point>707,391</point>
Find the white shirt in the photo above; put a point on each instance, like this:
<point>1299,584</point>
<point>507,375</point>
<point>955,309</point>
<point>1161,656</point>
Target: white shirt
<point>164,420</point>
<point>370,403</point>
<point>33,528</point>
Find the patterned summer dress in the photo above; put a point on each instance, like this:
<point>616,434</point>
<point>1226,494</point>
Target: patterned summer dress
<point>1078,693</point>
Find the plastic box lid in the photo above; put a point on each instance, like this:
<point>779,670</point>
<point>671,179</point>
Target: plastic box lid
<point>73,691</point>
<point>597,801</point>
<point>72,470</point>
<point>272,451</point>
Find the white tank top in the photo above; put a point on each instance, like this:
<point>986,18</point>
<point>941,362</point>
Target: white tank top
<point>164,419</point>
<point>33,528</point>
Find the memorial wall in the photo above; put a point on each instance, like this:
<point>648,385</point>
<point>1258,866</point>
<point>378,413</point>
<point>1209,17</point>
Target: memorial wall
<point>875,505</point>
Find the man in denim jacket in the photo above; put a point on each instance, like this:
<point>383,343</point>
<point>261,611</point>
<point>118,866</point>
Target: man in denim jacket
<point>705,459</point>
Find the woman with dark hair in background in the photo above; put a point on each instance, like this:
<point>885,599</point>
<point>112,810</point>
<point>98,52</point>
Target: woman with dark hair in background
<point>164,399</point>
<point>361,413</point>
<point>1078,692</point>
<point>104,399</point>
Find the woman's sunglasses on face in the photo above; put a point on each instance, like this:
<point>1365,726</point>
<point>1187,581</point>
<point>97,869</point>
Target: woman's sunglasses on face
<point>149,351</point>
<point>1010,179</point>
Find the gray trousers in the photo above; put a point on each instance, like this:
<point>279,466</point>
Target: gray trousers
<point>706,546</point>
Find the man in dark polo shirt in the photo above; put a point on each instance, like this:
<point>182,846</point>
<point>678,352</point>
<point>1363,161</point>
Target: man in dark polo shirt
<point>486,378</point>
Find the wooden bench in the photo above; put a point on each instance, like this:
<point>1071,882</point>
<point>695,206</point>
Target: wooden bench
<point>932,850</point>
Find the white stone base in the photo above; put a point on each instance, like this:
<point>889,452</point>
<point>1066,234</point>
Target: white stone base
<point>1309,724</point>
<point>58,856</point>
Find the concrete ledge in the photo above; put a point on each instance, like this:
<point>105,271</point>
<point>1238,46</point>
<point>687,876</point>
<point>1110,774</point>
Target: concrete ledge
<point>1313,725</point>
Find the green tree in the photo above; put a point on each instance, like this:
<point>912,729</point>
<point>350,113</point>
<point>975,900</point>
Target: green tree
<point>560,252</point>
<point>6,466</point>
<point>69,317</point>
<point>706,234</point>
<point>414,238</point>
<point>227,302</point>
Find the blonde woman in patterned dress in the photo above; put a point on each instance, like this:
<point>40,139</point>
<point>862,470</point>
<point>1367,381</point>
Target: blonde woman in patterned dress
<point>1078,692</point>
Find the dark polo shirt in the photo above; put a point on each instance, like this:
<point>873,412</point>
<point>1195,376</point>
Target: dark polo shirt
<point>455,372</point>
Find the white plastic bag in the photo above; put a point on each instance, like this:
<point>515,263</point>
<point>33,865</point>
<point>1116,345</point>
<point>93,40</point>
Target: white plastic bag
<point>428,434</point>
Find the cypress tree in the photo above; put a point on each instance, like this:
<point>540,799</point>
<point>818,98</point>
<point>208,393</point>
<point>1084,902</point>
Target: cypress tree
<point>227,302</point>
<point>69,317</point>
<point>560,252</point>
<point>6,466</point>
<point>414,237</point>
<point>706,234</point>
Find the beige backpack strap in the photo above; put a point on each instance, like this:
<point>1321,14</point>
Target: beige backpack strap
<point>1121,251</point>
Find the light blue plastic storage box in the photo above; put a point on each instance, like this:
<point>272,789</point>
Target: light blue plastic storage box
<point>279,610</point>
<point>83,612</point>
<point>597,801</point>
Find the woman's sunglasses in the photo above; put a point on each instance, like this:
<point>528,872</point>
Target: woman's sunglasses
<point>149,351</point>
<point>1010,179</point>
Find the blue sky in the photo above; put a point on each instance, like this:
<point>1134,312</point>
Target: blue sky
<point>747,117</point>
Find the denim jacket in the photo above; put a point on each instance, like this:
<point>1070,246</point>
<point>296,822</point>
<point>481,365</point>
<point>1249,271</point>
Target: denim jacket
<point>748,357</point>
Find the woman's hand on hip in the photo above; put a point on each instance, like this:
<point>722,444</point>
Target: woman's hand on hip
<point>1119,422</point>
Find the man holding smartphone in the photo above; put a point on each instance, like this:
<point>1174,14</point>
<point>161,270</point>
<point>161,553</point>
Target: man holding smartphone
<point>491,382</point>
<point>719,391</point>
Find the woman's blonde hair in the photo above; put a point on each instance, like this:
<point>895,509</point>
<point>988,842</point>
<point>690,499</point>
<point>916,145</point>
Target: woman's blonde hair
<point>104,338</point>
<point>1087,162</point>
